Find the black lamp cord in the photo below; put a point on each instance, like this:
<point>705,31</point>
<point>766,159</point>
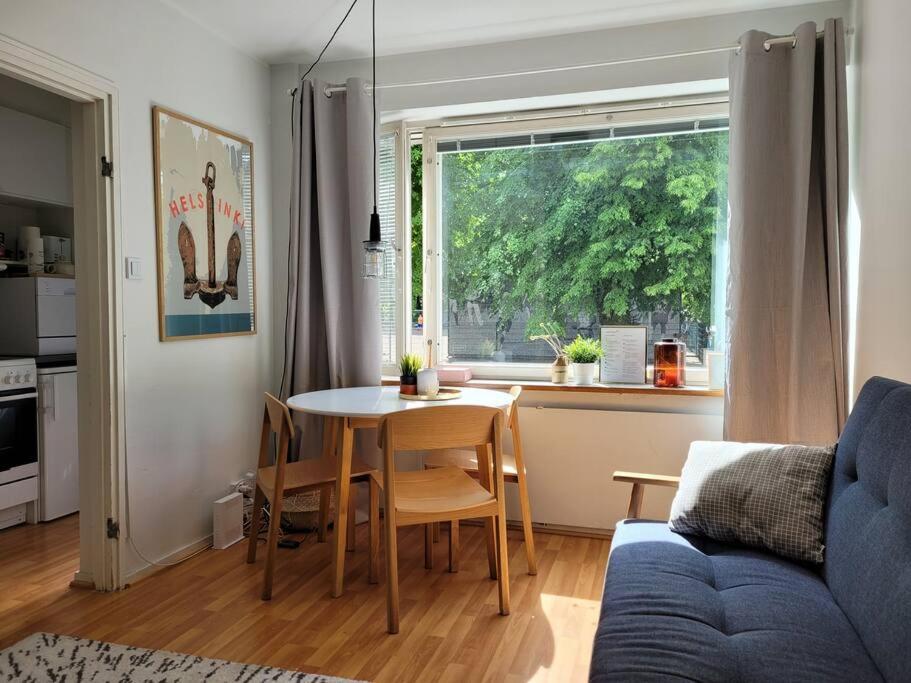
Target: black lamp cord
<point>329,42</point>
<point>373,43</point>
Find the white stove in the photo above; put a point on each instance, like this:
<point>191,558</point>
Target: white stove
<point>18,440</point>
<point>17,373</point>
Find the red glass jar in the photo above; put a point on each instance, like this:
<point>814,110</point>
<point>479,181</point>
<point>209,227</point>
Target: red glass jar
<point>670,363</point>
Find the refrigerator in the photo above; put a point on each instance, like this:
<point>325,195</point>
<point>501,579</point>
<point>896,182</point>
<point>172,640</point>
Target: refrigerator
<point>58,447</point>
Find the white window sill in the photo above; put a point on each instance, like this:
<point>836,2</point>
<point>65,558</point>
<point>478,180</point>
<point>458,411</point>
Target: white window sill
<point>543,385</point>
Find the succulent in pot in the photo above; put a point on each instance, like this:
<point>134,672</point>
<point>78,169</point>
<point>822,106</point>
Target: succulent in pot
<point>408,373</point>
<point>584,354</point>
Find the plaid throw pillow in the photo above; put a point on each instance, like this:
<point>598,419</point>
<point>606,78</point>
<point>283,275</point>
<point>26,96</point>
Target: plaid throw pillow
<point>757,494</point>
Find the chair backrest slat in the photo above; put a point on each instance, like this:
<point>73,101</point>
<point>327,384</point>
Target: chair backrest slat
<point>279,415</point>
<point>277,420</point>
<point>515,392</point>
<point>428,429</point>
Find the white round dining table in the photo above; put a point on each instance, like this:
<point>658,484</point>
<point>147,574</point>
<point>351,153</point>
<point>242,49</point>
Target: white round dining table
<point>361,408</point>
<point>375,402</point>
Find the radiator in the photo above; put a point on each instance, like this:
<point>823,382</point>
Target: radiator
<point>570,455</point>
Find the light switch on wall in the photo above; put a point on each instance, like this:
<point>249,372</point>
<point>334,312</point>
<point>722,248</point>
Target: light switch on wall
<point>134,268</point>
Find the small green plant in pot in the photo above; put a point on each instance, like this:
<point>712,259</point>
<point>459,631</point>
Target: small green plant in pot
<point>408,373</point>
<point>584,354</point>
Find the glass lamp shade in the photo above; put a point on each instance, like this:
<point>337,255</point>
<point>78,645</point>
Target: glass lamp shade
<point>670,363</point>
<point>374,263</point>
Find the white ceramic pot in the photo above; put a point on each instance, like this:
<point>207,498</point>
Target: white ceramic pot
<point>584,373</point>
<point>428,382</point>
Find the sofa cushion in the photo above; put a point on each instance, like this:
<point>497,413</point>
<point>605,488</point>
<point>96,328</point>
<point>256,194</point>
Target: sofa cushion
<point>678,607</point>
<point>764,495</point>
<point>868,525</point>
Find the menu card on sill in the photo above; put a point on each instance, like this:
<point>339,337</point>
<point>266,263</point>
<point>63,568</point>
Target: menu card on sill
<point>624,356</point>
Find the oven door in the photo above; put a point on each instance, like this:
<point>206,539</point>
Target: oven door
<point>18,435</point>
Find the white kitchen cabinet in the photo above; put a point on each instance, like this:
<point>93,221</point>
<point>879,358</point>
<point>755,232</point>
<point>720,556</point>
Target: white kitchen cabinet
<point>35,163</point>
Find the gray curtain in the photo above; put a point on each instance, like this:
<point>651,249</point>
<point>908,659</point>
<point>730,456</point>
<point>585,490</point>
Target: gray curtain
<point>786,377</point>
<point>332,336</point>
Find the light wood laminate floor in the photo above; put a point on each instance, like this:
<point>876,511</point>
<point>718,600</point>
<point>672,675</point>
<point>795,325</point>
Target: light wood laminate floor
<point>210,606</point>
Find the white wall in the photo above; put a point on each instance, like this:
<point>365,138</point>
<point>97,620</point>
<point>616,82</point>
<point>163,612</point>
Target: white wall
<point>880,189</point>
<point>577,48</point>
<point>193,408</point>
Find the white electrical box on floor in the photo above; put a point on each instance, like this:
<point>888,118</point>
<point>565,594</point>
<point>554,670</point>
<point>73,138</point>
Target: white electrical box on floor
<point>228,518</point>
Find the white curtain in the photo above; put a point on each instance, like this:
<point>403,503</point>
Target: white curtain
<point>786,378</point>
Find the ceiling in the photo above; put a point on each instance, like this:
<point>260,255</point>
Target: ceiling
<point>277,31</point>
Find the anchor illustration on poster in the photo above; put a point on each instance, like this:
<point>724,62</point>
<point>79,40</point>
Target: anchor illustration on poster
<point>211,291</point>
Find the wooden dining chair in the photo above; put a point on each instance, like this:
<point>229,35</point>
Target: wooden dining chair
<point>513,472</point>
<point>444,493</point>
<point>274,482</point>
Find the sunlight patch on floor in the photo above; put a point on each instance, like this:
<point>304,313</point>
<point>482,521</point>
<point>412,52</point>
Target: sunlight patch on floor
<point>575,620</point>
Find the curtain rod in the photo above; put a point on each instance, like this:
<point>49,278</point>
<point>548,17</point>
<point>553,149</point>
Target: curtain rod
<point>792,39</point>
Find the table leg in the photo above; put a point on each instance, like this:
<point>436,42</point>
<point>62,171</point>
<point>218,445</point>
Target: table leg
<point>342,491</point>
<point>483,453</point>
<point>330,450</point>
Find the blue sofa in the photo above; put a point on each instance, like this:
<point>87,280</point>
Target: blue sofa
<point>684,608</point>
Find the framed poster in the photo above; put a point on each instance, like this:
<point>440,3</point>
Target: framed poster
<point>204,224</point>
<point>625,352</point>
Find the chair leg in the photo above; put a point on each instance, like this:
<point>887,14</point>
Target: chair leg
<point>523,493</point>
<point>454,545</point>
<point>352,518</point>
<point>255,518</point>
<point>374,531</point>
<point>436,532</point>
<point>275,515</point>
<point>526,526</point>
<point>502,562</point>
<point>484,476</point>
<point>428,546</point>
<point>392,572</point>
<point>324,495</point>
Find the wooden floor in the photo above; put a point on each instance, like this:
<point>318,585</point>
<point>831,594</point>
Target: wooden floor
<point>210,606</point>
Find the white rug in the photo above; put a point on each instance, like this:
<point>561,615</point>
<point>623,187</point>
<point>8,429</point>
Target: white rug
<point>62,659</point>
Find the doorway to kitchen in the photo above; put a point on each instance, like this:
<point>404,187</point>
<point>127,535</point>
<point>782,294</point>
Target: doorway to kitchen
<point>61,381</point>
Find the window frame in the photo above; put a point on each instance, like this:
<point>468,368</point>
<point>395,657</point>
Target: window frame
<point>520,123</point>
<point>402,242</point>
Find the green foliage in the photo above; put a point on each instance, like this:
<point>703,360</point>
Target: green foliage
<point>410,364</point>
<point>597,231</point>
<point>417,227</point>
<point>581,350</point>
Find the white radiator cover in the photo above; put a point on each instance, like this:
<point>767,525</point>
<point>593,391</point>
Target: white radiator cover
<point>570,455</point>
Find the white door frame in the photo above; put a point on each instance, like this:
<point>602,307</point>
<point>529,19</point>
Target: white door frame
<point>99,297</point>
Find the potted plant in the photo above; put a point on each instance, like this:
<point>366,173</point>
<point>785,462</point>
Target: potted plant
<point>584,354</point>
<point>408,373</point>
<point>559,369</point>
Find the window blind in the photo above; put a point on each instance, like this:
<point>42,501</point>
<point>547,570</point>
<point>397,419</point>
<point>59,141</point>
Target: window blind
<point>570,136</point>
<point>388,219</point>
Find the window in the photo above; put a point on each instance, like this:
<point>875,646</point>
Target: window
<point>577,221</point>
<point>571,222</point>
